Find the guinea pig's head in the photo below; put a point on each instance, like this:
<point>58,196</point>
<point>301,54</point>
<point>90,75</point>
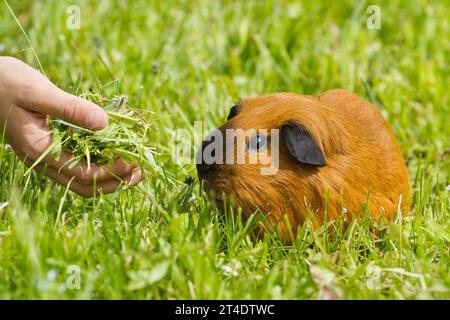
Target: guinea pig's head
<point>268,156</point>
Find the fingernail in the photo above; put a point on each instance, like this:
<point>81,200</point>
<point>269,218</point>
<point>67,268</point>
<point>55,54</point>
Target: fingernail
<point>97,119</point>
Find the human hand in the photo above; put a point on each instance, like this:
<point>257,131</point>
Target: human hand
<point>27,97</point>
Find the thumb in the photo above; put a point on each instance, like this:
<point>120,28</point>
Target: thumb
<point>76,110</point>
<point>44,97</point>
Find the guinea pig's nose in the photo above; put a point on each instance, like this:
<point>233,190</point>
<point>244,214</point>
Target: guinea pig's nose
<point>204,169</point>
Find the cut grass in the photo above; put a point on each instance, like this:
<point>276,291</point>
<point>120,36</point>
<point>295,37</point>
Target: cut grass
<point>190,62</point>
<point>127,135</point>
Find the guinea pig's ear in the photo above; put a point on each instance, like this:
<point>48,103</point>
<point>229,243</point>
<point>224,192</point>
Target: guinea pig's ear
<point>233,111</point>
<point>302,145</point>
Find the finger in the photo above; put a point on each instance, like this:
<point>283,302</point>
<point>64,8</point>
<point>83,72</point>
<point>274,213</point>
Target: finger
<point>86,175</point>
<point>89,190</point>
<point>135,170</point>
<point>38,94</point>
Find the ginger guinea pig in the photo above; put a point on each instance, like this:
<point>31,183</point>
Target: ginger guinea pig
<point>336,146</point>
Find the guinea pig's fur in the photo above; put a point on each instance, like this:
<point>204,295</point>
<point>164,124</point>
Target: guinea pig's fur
<point>335,146</point>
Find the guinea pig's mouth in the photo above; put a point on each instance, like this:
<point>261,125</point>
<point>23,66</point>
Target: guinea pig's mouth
<point>212,194</point>
<point>207,182</point>
<point>207,186</point>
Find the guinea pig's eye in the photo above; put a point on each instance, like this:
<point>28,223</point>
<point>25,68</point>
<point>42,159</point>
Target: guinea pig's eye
<point>233,112</point>
<point>257,143</point>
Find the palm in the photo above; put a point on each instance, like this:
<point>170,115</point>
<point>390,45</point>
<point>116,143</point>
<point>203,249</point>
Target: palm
<point>35,136</point>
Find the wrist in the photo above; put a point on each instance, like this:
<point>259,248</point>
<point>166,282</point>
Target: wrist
<point>10,74</point>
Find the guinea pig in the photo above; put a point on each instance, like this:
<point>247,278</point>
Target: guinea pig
<point>337,156</point>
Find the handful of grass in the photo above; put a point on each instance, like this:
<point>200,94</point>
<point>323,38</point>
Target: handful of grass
<point>126,136</point>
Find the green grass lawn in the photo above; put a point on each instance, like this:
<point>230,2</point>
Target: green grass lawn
<point>191,61</point>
